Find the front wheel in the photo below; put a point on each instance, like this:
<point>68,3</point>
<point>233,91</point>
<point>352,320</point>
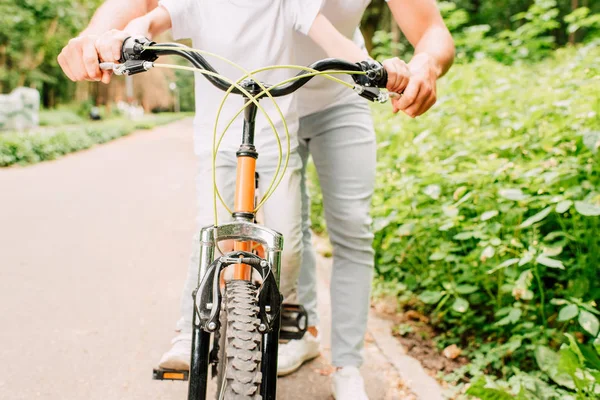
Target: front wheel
<point>239,375</point>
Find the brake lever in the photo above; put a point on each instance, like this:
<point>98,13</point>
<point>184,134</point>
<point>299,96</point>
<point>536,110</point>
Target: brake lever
<point>129,67</point>
<point>371,93</point>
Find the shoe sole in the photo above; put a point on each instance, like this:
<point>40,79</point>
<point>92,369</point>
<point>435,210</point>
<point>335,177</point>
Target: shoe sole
<point>297,366</point>
<point>175,364</point>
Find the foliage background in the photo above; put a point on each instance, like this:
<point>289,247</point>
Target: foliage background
<point>486,209</point>
<point>32,33</point>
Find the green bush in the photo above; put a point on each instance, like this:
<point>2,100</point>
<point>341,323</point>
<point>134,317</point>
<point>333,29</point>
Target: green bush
<point>62,116</point>
<point>29,148</point>
<point>486,211</point>
<point>530,35</point>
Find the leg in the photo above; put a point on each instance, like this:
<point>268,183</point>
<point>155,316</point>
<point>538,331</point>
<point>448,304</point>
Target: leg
<point>307,281</point>
<point>343,147</point>
<point>282,213</point>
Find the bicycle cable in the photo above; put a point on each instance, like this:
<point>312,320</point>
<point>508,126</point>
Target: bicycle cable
<point>280,172</point>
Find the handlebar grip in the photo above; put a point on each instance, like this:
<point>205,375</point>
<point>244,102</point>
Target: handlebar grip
<point>133,48</point>
<point>375,74</point>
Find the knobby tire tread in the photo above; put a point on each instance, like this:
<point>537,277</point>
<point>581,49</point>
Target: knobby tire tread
<point>240,343</point>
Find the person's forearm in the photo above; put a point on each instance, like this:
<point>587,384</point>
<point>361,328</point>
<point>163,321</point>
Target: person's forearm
<point>334,43</point>
<point>150,25</point>
<point>437,44</point>
<point>116,14</point>
<point>423,26</point>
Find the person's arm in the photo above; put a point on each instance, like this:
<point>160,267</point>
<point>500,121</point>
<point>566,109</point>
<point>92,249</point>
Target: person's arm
<point>336,45</point>
<point>116,14</point>
<point>78,58</point>
<point>152,24</point>
<point>423,26</point>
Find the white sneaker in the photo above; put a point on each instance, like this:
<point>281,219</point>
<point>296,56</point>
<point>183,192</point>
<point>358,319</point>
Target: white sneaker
<point>178,357</point>
<point>348,384</point>
<point>295,352</point>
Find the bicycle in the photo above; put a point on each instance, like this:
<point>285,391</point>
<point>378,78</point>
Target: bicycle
<point>237,323</point>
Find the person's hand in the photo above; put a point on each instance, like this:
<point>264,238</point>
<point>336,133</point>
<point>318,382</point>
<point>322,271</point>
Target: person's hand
<point>398,76</point>
<point>80,58</point>
<point>420,93</point>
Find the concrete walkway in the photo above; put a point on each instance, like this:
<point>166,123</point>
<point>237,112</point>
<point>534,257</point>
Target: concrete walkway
<point>93,255</point>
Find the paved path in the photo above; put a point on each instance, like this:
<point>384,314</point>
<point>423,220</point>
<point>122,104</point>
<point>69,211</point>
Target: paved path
<point>93,253</point>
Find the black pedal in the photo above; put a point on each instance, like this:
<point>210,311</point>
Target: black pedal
<point>294,321</point>
<point>169,375</point>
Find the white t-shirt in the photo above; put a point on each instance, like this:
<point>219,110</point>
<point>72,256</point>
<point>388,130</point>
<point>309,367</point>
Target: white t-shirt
<point>253,34</point>
<point>321,93</point>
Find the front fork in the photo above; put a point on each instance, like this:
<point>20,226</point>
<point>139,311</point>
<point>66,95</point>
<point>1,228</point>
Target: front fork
<point>273,243</point>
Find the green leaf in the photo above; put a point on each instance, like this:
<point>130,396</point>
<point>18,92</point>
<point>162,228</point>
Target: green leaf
<point>592,360</point>
<point>438,255</point>
<point>446,227</point>
<point>463,236</point>
<point>478,390</point>
<point>568,312</point>
<point>466,289</point>
<point>460,305</point>
<point>549,262</point>
<point>568,362</point>
<point>513,317</point>
<point>430,297</point>
<point>450,211</point>
<point>487,253</point>
<point>406,229</point>
<point>548,361</point>
<point>563,206</point>
<point>513,194</point>
<point>526,258</point>
<point>489,215</point>
<point>552,251</point>
<point>589,322</point>
<point>433,191</point>
<point>587,209</point>
<point>536,218</point>
<point>506,263</point>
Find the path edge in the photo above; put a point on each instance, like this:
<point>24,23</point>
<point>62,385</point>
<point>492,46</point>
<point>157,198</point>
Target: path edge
<point>410,369</point>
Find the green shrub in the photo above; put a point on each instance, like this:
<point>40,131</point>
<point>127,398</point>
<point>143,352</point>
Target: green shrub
<point>62,116</point>
<point>29,148</point>
<point>486,210</point>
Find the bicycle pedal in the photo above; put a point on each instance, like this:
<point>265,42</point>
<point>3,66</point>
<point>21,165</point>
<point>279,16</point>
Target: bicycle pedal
<point>294,322</point>
<point>169,375</point>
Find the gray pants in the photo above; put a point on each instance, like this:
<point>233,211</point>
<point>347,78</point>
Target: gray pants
<point>341,141</point>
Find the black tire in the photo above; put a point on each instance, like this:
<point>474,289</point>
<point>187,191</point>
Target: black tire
<point>239,375</point>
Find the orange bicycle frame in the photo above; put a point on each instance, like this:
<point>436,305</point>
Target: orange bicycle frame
<point>245,187</point>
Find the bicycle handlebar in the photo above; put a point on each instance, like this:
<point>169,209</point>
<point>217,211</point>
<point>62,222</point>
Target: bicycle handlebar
<point>138,55</point>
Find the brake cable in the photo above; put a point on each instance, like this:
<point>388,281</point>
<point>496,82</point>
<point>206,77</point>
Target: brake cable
<point>276,180</point>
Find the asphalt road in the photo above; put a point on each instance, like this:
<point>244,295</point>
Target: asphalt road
<point>93,255</point>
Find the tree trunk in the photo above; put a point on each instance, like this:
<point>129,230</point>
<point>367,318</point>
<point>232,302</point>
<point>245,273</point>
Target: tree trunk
<point>51,98</point>
<point>22,78</point>
<point>2,64</point>
<point>476,8</point>
<point>368,31</point>
<point>573,36</point>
